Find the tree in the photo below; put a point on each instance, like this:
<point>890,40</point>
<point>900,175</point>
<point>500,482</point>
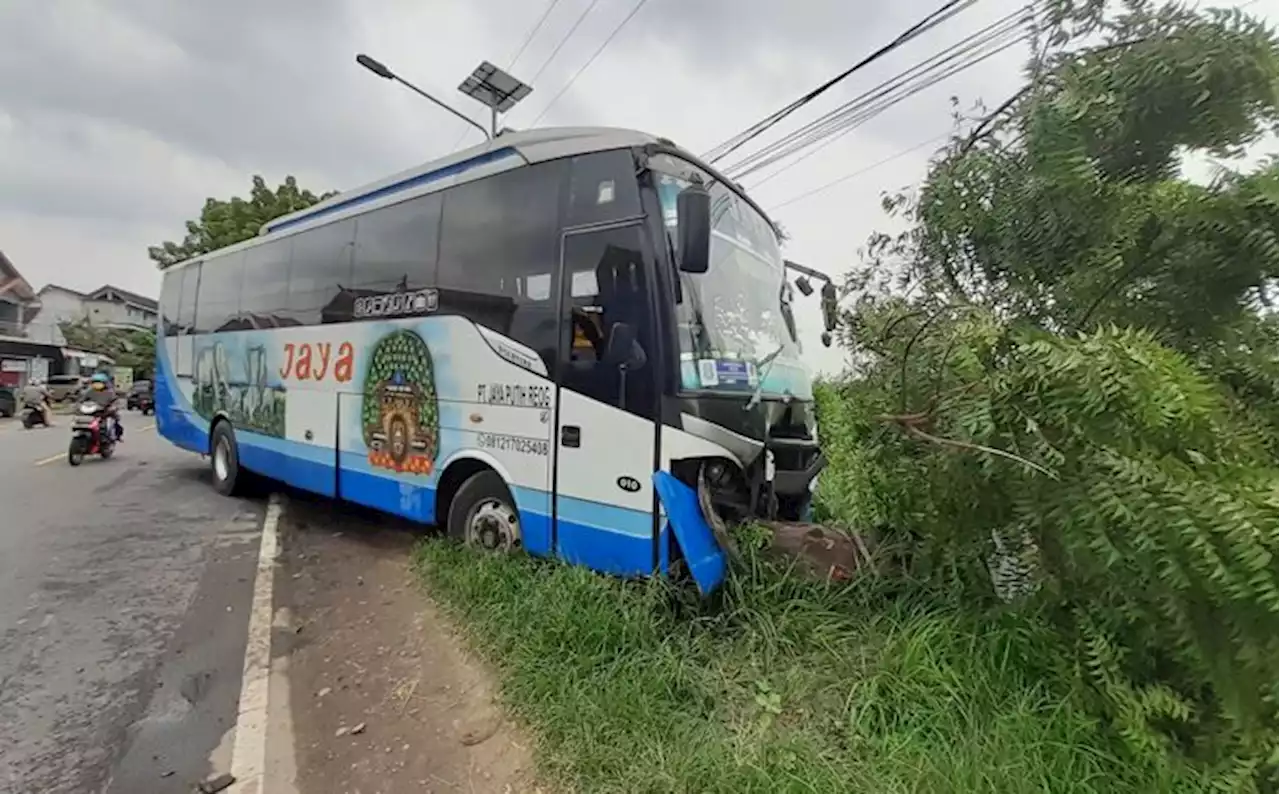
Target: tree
<point>224,223</point>
<point>1070,359</point>
<point>127,347</point>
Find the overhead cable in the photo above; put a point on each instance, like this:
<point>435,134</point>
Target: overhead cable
<point>563,40</point>
<point>975,48</point>
<point>828,185</point>
<point>537,26</point>
<point>943,13</point>
<point>608,39</point>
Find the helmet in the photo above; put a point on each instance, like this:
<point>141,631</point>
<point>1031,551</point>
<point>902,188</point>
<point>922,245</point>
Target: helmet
<point>100,377</point>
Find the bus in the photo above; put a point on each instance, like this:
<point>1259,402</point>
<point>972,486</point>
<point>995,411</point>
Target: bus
<point>578,342</point>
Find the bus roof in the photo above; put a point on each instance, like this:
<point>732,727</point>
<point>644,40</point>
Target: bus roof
<point>529,146</point>
<point>507,150</point>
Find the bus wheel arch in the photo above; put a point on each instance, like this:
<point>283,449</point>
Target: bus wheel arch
<point>474,506</point>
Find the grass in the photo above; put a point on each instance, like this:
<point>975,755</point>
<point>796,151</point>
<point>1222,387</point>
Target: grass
<point>774,686</point>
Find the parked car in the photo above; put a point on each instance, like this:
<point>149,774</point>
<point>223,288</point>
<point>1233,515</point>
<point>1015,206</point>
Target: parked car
<point>65,387</point>
<point>141,396</point>
<point>8,401</point>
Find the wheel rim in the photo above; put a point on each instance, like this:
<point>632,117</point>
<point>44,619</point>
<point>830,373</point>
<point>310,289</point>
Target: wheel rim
<point>493,526</point>
<point>221,460</point>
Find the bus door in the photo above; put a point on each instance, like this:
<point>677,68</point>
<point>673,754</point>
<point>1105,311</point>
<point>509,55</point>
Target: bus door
<point>608,399</point>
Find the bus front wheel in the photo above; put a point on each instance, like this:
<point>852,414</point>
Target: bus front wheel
<point>482,514</point>
<point>224,460</point>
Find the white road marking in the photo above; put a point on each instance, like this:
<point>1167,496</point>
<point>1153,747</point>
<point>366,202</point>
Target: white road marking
<point>49,460</point>
<point>249,749</point>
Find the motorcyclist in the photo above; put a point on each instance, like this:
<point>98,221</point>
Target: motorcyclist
<point>103,394</point>
<point>36,395</point>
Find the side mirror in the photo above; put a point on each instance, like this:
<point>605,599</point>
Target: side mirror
<point>693,228</point>
<point>830,308</point>
<point>802,284</point>
<point>622,350</point>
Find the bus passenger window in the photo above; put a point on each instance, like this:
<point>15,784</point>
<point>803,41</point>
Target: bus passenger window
<point>221,278</point>
<point>319,267</point>
<point>396,247</point>
<point>266,278</point>
<point>499,254</point>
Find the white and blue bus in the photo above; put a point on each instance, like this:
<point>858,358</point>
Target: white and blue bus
<point>579,342</point>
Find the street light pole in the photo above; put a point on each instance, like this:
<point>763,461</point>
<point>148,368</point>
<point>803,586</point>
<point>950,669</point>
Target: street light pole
<point>382,71</point>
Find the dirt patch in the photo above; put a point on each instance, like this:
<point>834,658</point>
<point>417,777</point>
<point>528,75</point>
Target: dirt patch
<point>383,695</point>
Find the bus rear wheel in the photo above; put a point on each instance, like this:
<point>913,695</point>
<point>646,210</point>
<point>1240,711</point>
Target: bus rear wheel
<point>224,460</point>
<point>482,514</point>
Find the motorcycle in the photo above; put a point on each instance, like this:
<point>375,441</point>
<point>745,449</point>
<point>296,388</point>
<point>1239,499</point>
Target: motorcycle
<point>91,434</point>
<point>33,415</point>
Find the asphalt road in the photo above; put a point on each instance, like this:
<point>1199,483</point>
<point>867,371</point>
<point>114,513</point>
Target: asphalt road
<point>124,593</point>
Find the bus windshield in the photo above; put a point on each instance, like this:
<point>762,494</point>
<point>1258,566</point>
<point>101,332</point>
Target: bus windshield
<point>736,326</point>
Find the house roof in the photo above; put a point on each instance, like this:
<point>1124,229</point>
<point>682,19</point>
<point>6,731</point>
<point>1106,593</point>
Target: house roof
<point>60,288</point>
<point>12,284</point>
<point>124,295</point>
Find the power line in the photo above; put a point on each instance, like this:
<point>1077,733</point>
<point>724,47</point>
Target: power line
<point>855,110</point>
<point>859,172</point>
<point>635,10</point>
<point>968,52</point>
<point>727,147</point>
<point>537,26</point>
<point>564,40</point>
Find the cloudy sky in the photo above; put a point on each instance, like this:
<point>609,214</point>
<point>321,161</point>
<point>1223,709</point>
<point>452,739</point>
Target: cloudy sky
<point>118,117</point>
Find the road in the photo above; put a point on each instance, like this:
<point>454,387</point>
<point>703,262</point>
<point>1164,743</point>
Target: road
<point>133,597</point>
<point>125,588</point>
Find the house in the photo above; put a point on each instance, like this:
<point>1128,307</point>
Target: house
<point>111,306</point>
<point>26,352</point>
<point>57,305</point>
<point>107,306</point>
<point>18,301</point>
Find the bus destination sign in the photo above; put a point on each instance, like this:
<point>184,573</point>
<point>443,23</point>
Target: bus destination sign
<point>397,304</point>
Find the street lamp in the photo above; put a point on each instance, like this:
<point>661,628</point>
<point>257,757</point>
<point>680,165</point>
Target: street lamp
<point>382,71</point>
<point>496,90</point>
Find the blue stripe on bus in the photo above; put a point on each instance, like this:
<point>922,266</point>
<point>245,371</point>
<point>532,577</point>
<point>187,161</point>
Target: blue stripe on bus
<point>603,537</point>
<point>396,187</point>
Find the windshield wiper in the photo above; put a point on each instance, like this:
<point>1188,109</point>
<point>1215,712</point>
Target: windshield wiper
<point>763,366</point>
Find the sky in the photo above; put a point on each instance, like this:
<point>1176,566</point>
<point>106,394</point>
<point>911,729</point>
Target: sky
<point>119,117</point>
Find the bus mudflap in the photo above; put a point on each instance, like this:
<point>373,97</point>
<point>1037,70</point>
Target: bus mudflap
<point>702,554</point>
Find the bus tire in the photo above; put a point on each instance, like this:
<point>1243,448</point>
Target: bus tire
<point>482,514</point>
<point>224,460</point>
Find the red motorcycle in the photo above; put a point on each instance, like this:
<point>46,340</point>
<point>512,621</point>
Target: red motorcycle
<point>92,433</point>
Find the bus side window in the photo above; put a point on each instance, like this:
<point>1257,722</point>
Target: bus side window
<point>499,254</point>
<point>602,187</point>
<point>319,267</point>
<point>396,247</point>
<point>170,299</point>
<point>187,304</point>
<point>221,279</point>
<point>266,278</point>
